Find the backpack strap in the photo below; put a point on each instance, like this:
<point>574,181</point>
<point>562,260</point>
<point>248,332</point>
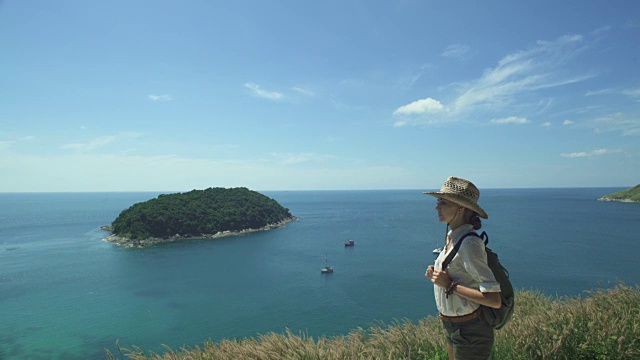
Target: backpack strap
<point>453,252</point>
<point>485,236</point>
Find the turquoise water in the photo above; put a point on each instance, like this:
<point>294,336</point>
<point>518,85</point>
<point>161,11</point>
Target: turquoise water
<point>66,294</point>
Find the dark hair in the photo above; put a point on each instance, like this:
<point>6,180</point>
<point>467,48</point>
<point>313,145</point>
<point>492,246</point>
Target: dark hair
<point>473,218</point>
<point>475,222</point>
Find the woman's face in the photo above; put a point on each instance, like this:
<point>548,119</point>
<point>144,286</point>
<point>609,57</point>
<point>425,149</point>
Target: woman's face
<point>447,210</point>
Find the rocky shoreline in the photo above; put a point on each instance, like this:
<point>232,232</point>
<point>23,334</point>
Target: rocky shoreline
<point>631,195</point>
<point>126,242</point>
<point>604,198</point>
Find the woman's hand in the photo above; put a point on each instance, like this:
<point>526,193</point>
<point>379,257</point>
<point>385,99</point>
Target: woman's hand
<point>429,272</point>
<point>440,278</point>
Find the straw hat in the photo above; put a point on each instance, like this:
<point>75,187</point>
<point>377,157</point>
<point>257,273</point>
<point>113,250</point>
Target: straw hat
<point>462,192</point>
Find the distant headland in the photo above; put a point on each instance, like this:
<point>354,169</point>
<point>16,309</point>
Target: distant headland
<point>197,214</point>
<point>628,195</point>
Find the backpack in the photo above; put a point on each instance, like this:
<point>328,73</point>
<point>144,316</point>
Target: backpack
<point>497,318</point>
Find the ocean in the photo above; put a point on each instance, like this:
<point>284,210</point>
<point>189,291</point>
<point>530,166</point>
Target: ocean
<point>67,294</point>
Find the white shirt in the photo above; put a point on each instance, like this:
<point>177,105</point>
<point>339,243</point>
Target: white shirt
<point>469,268</point>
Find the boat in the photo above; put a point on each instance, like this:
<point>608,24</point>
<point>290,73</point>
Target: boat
<point>349,243</point>
<point>326,269</point>
<point>437,250</point>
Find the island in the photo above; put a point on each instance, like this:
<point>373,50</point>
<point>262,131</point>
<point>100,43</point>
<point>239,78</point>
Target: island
<point>628,195</point>
<point>197,214</point>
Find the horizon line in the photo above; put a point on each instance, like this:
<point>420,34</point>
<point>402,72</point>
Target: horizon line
<point>303,190</point>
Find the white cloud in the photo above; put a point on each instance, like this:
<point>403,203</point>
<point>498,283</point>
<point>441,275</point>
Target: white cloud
<point>635,93</point>
<point>400,123</point>
<point>99,142</point>
<point>601,30</point>
<point>632,92</point>
<point>628,125</point>
<point>522,72</point>
<point>407,82</point>
<point>303,91</point>
<point>592,153</point>
<point>567,122</point>
<point>256,90</point>
<point>599,92</point>
<point>510,120</point>
<point>159,97</point>
<point>423,106</point>
<point>455,51</point>
<point>92,145</point>
<point>546,124</point>
<point>509,86</point>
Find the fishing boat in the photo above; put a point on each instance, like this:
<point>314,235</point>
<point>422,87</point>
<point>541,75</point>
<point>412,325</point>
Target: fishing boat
<point>349,243</point>
<point>326,269</point>
<point>437,250</point>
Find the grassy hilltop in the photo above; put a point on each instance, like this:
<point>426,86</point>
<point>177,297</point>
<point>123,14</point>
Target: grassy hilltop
<point>603,325</point>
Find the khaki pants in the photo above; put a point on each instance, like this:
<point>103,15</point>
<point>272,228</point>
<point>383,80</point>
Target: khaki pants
<point>471,339</point>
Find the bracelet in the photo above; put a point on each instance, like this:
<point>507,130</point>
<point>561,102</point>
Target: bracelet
<point>451,288</point>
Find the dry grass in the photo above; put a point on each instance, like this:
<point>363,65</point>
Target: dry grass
<point>603,325</point>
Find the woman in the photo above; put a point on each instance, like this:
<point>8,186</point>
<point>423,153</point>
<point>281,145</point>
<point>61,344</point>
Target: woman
<point>467,282</point>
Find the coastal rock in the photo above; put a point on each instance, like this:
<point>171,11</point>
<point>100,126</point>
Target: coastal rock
<point>604,198</point>
<point>137,243</point>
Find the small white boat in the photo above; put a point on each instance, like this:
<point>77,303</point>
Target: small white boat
<point>326,269</point>
<point>437,250</point>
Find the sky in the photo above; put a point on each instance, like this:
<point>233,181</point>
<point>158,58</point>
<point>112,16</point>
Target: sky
<point>318,95</point>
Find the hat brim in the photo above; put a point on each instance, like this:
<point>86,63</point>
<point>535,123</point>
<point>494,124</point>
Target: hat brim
<point>462,201</point>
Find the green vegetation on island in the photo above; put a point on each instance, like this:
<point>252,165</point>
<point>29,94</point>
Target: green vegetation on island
<point>209,213</point>
<point>628,195</point>
<point>601,325</point>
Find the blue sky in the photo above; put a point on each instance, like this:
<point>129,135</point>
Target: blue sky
<point>308,95</point>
